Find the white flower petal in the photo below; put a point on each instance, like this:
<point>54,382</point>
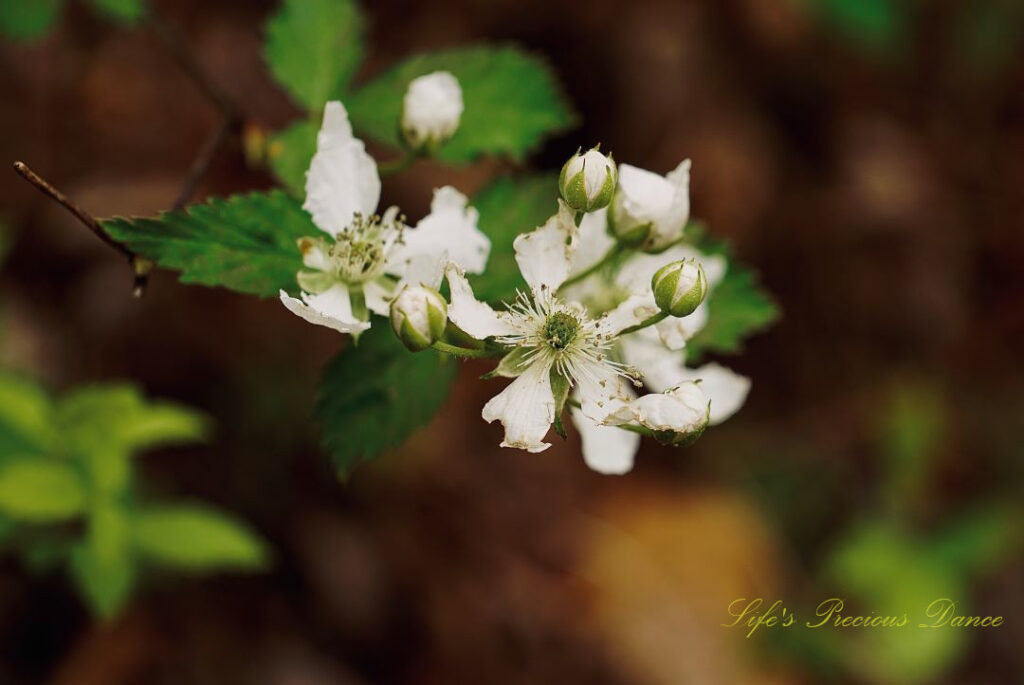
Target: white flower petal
<point>675,331</point>
<point>634,310</point>
<point>545,254</point>
<point>331,308</point>
<point>594,241</point>
<point>465,311</point>
<point>342,179</point>
<point>660,367</point>
<point>672,224</point>
<point>313,255</point>
<point>526,408</point>
<point>450,228</point>
<point>378,297</point>
<point>601,391</point>
<point>681,409</point>
<point>726,389</point>
<point>606,449</point>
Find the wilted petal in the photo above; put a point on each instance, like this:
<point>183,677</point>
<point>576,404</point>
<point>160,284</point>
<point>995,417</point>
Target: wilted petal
<point>331,308</point>
<point>342,179</point>
<point>545,254</point>
<point>526,408</point>
<point>606,449</point>
<point>450,228</point>
<point>465,311</point>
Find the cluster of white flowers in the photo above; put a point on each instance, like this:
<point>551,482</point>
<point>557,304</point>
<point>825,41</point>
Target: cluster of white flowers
<point>614,290</point>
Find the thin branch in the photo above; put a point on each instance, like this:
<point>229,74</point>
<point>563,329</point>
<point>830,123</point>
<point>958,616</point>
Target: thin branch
<point>179,48</point>
<point>88,220</point>
<point>140,266</point>
<point>202,162</point>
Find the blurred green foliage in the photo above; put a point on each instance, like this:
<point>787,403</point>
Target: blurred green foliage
<point>29,20</point>
<point>67,490</point>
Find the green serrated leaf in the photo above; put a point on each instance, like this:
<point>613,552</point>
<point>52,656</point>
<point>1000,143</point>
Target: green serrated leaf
<point>314,47</point>
<point>376,394</point>
<point>197,538</point>
<point>508,207</point>
<point>121,11</point>
<point>40,491</point>
<point>28,19</point>
<point>246,243</point>
<point>512,101</point>
<point>289,153</point>
<point>102,565</point>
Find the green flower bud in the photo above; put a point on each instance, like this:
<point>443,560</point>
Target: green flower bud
<point>680,287</point>
<point>587,182</point>
<point>418,316</point>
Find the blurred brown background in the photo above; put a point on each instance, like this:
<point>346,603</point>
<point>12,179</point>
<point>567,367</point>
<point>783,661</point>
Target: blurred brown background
<point>872,175</point>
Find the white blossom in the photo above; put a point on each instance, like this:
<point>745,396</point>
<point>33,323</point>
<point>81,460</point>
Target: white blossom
<point>650,210</point>
<point>548,335</point>
<point>363,259</point>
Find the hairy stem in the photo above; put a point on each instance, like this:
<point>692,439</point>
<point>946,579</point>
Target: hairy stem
<point>645,323</point>
<point>466,352</point>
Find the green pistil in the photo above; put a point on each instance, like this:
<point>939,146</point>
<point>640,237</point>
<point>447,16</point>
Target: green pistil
<point>561,330</point>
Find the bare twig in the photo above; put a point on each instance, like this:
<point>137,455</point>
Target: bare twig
<point>231,119</point>
<point>202,162</point>
<point>176,44</point>
<point>88,220</point>
<point>140,266</point>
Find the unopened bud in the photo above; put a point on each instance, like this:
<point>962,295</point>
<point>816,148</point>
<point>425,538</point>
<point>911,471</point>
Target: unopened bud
<point>418,316</point>
<point>587,182</point>
<point>680,287</point>
<point>431,110</point>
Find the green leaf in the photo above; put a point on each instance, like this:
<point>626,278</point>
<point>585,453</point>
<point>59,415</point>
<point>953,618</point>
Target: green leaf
<point>196,538</point>
<point>40,490</point>
<point>512,101</point>
<point>28,19</point>
<point>876,27</point>
<point>508,207</point>
<point>102,565</point>
<point>376,394</point>
<point>119,416</point>
<point>737,307</point>
<point>290,152</point>
<point>246,243</point>
<point>121,11</point>
<point>314,47</point>
<point>26,416</point>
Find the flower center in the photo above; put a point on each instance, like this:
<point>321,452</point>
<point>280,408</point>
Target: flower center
<point>360,251</point>
<point>561,329</point>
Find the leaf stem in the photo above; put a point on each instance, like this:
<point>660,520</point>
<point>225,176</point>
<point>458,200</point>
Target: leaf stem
<point>645,323</point>
<point>612,254</point>
<point>466,352</point>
